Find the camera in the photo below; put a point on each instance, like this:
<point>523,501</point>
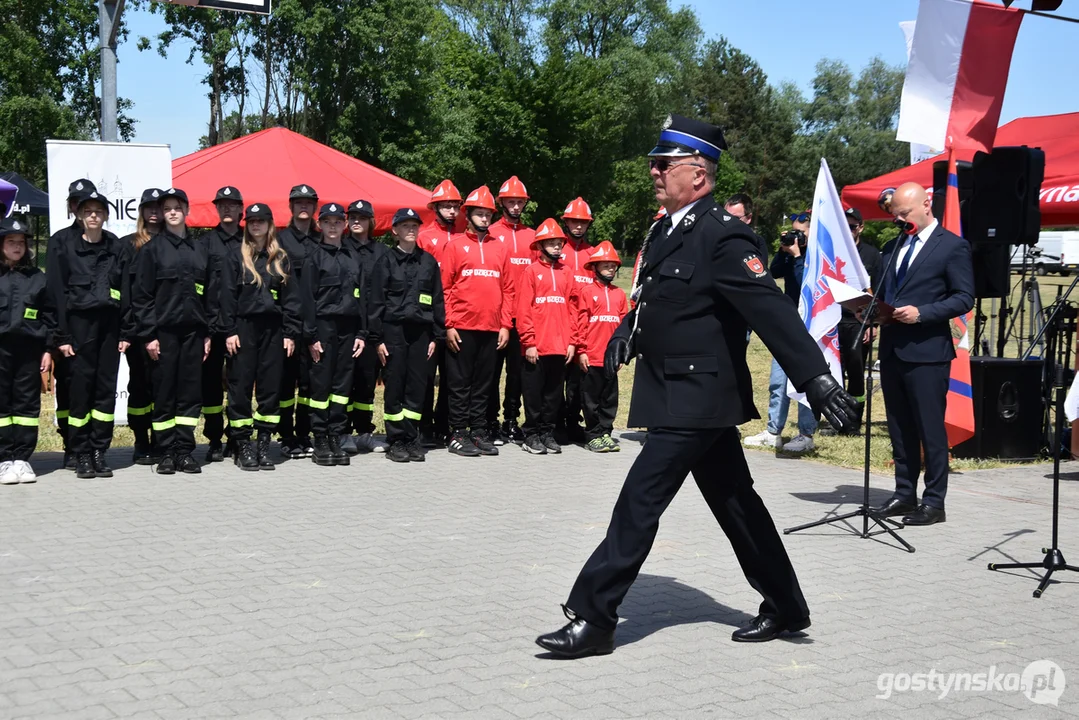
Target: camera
<point>791,237</point>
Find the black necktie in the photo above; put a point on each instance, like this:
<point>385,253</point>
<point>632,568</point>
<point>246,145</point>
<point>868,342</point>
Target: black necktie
<point>905,265</point>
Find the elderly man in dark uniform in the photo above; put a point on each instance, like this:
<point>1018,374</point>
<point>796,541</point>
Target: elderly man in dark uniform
<point>703,283</point>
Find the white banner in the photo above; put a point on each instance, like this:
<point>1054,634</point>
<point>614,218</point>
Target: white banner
<point>121,171</point>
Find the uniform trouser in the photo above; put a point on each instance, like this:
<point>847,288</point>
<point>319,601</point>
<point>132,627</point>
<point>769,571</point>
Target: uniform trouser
<point>20,396</point>
<point>469,375</point>
<point>61,374</point>
<point>599,396</point>
<point>213,390</point>
<point>852,353</point>
<point>542,387</point>
<point>571,408</point>
<point>95,335</point>
<point>295,374</point>
<point>511,357</point>
<point>714,457</point>
<point>915,396</point>
<point>364,378</point>
<point>331,376</point>
<point>405,376</point>
<point>257,367</point>
<point>436,412</point>
<point>177,378</point>
<point>140,394</point>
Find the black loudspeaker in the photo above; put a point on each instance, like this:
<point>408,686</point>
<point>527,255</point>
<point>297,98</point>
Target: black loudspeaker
<point>992,270</point>
<point>965,175</point>
<point>1008,410</point>
<point>1004,207</point>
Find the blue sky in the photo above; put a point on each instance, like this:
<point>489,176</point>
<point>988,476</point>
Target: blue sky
<point>787,38</point>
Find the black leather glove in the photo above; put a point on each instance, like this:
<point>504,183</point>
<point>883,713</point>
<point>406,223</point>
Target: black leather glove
<point>617,354</point>
<point>828,398</point>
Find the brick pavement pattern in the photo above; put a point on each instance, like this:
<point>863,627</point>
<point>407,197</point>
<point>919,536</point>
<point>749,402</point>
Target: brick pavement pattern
<point>416,591</point>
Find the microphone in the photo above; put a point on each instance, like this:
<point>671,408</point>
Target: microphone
<point>908,227</point>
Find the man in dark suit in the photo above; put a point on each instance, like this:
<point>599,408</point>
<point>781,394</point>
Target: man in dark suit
<point>702,283</point>
<point>929,280</point>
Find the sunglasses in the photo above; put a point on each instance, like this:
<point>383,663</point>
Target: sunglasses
<point>663,164</point>
<point>853,227</point>
<point>801,217</point>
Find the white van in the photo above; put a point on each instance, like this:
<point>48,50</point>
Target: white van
<point>1057,251</point>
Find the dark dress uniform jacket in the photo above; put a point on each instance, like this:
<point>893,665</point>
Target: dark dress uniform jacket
<point>701,287</point>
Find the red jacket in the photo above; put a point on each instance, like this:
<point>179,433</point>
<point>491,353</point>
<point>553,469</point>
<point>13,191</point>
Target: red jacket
<point>476,284</point>
<point>600,308</point>
<point>575,256</point>
<point>433,238</point>
<point>518,240</point>
<point>547,308</point>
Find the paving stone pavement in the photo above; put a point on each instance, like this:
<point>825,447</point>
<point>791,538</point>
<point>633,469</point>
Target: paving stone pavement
<point>416,591</point>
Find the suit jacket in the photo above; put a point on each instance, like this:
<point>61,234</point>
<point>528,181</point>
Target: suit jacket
<point>940,283</point>
<point>701,287</point>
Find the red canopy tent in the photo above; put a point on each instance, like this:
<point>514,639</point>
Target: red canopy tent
<point>266,165</point>
<point>1057,135</point>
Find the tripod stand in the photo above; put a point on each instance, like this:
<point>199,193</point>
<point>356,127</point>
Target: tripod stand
<point>865,511</point>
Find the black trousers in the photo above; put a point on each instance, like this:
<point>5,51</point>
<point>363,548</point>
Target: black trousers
<point>295,376</point>
<point>436,411</point>
<point>140,395</point>
<point>599,396</point>
<point>714,457</point>
<point>916,395</point>
<point>20,396</point>
<point>510,357</point>
<point>331,376</point>
<point>61,379</point>
<point>364,378</point>
<point>571,408</point>
<point>177,378</point>
<point>542,386</point>
<point>95,335</point>
<point>405,376</point>
<point>469,375</point>
<point>213,390</point>
<point>853,358</point>
<point>257,366</point>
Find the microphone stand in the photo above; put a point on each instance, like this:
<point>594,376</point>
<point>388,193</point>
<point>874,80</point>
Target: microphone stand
<point>866,511</point>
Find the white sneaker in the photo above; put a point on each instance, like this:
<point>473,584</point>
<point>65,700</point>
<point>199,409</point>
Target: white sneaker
<point>800,444</point>
<point>369,443</point>
<point>763,439</point>
<point>8,474</point>
<point>25,472</point>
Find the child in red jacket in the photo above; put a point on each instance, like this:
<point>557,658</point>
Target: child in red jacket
<point>547,322</point>
<point>601,308</point>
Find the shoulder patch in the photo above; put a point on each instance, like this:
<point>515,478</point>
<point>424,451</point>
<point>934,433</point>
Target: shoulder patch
<point>754,266</point>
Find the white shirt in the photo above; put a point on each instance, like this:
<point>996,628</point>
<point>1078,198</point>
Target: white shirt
<point>677,217</point>
<point>918,241</point>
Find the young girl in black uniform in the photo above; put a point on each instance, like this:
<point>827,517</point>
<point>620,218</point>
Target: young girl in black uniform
<point>175,305</point>
<point>88,280</point>
<point>333,332</point>
<point>260,315</point>
<point>27,319</point>
<point>139,387</point>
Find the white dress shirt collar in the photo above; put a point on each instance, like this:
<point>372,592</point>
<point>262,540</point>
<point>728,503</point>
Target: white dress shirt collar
<point>677,216</point>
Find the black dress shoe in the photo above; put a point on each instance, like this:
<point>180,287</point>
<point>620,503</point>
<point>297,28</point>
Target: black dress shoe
<point>763,629</point>
<point>101,468</point>
<point>925,515</point>
<point>578,639</point>
<point>894,507</point>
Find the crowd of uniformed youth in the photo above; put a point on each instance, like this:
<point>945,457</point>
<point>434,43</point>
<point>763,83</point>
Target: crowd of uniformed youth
<point>265,332</point>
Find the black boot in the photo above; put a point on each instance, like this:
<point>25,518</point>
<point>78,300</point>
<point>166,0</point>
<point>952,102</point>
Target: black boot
<point>70,462</point>
<point>265,463</point>
<point>101,468</point>
<point>84,466</point>
<point>323,455</point>
<point>340,457</point>
<point>141,454</point>
<point>216,452</point>
<point>245,458</point>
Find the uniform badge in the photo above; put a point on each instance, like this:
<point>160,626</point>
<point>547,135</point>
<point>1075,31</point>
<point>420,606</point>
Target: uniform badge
<point>754,267</point>
<point>668,122</point>
<point>690,219</point>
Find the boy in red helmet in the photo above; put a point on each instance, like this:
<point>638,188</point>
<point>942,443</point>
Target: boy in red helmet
<point>601,308</point>
<point>548,323</point>
<point>478,296</point>
<point>517,237</point>
<point>577,217</point>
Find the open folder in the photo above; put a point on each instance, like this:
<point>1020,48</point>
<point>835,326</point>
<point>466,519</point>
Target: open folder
<point>855,300</point>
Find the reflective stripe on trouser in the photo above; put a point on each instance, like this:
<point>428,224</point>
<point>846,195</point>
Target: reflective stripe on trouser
<point>364,378</point>
<point>96,337</point>
<point>20,396</point>
<point>177,388</point>
<point>257,367</point>
<point>213,390</point>
<point>405,377</point>
<point>331,376</point>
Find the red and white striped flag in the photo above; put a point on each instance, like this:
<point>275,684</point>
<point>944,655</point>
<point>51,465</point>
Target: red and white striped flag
<point>959,412</point>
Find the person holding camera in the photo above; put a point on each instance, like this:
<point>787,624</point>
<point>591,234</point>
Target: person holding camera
<point>788,264</point>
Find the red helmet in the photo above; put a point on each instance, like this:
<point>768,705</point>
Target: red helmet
<point>513,188</point>
<point>480,198</point>
<point>548,229</point>
<point>445,192</point>
<point>577,210</point>
<point>604,252</point>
